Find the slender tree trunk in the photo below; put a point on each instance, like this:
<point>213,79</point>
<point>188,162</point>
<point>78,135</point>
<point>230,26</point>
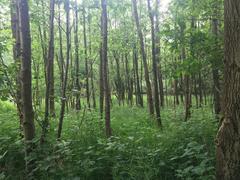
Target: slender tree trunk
<point>138,88</point>
<point>118,81</point>
<point>60,47</point>
<point>176,91</point>
<point>49,66</point>
<point>187,91</point>
<point>26,80</point>
<point>195,90</point>
<point>144,58</point>
<point>157,51</point>
<point>51,59</point>
<point>200,89</point>
<point>215,70</point>
<point>16,56</point>
<point>228,137</point>
<point>86,58</point>
<point>101,83</point>
<point>64,98</point>
<point>186,78</point>
<point>155,67</point>
<point>107,94</point>
<point>91,63</point>
<point>77,83</point>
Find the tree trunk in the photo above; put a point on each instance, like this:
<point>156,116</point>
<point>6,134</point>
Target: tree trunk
<point>86,58</point>
<point>228,137</point>
<point>138,88</point>
<point>77,83</point>
<point>107,94</point>
<point>26,79</point>
<point>64,98</point>
<point>186,78</point>
<point>60,48</point>
<point>155,67</point>
<point>157,39</point>
<point>16,56</point>
<point>144,59</point>
<point>91,64</point>
<point>215,70</point>
<point>49,65</point>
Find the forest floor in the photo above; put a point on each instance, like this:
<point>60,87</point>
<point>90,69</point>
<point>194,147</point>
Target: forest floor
<point>137,149</point>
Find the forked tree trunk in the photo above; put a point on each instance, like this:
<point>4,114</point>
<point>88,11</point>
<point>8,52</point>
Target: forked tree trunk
<point>144,59</point>
<point>64,98</point>
<point>228,137</point>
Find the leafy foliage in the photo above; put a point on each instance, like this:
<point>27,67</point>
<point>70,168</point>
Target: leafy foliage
<point>138,150</point>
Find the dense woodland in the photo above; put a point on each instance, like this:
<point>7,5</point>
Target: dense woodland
<point>130,89</point>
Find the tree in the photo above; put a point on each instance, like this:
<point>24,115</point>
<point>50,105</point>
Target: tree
<point>26,78</point>
<point>16,55</point>
<point>107,94</point>
<point>86,57</point>
<point>214,63</point>
<point>157,51</point>
<point>49,99</point>
<point>144,58</point>
<point>228,136</point>
<point>77,83</point>
<point>64,88</point>
<point>154,64</point>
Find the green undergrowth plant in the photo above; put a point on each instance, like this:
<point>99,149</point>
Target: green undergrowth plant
<point>137,149</point>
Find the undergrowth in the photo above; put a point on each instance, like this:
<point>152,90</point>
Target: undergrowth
<point>137,149</point>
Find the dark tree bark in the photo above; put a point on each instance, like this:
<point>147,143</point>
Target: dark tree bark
<point>77,83</point>
<point>144,59</point>
<point>155,66</point>
<point>26,79</point>
<point>64,98</point>
<point>228,137</point>
<point>107,94</point>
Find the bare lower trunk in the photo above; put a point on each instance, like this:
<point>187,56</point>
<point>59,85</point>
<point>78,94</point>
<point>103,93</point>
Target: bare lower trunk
<point>228,137</point>
<point>107,93</point>
<point>155,67</point>
<point>26,80</point>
